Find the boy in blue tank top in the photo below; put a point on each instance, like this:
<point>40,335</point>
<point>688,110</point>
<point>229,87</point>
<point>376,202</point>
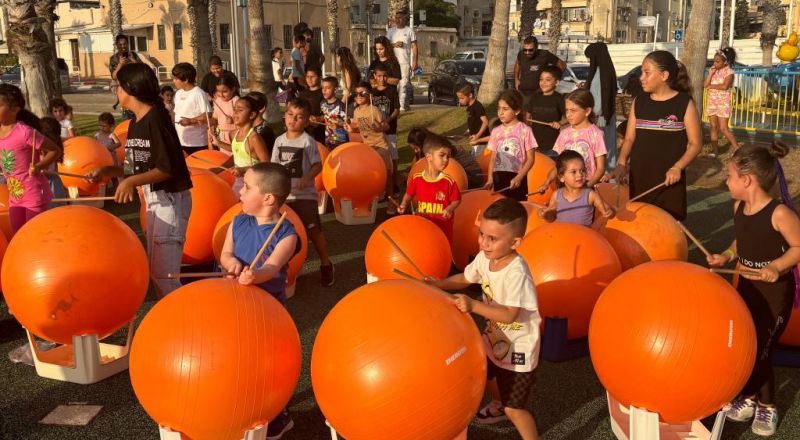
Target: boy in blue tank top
<point>266,186</point>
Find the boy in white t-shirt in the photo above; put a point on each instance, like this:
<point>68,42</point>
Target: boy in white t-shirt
<point>511,338</point>
<point>404,42</point>
<point>191,109</point>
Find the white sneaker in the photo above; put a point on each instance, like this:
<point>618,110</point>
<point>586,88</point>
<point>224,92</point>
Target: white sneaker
<point>766,422</point>
<point>492,413</point>
<point>741,409</point>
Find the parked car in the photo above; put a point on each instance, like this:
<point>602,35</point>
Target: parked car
<point>451,75</point>
<point>14,74</point>
<point>575,74</point>
<point>470,55</point>
<point>11,76</point>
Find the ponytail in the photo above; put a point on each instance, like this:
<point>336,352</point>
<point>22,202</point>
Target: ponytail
<point>778,150</point>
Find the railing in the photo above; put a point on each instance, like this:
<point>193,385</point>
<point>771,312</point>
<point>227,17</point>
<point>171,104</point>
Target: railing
<point>765,100</point>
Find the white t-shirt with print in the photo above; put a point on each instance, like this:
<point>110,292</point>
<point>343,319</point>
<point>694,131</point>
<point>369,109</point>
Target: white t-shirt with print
<point>66,126</point>
<point>190,104</point>
<point>406,36</point>
<point>512,346</point>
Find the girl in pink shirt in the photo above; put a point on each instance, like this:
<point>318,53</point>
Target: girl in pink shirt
<point>225,97</point>
<point>24,156</point>
<point>583,136</point>
<point>512,145</point>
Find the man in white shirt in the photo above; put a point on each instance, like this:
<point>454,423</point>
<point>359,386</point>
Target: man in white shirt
<point>404,41</point>
<point>191,109</point>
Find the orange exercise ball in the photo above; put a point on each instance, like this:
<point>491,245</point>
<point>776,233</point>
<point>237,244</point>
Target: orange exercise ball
<point>537,176</point>
<point>534,219</point>
<point>355,172</point>
<point>662,332</point>
<point>421,359</point>
<point>121,132</point>
<point>74,270</point>
<point>83,154</point>
<point>571,265</point>
<point>323,154</point>
<point>420,239</point>
<point>483,158</point>
<point>453,169</point>
<point>466,221</point>
<point>5,221</point>
<point>207,159</point>
<point>641,232</point>
<point>791,335</point>
<point>295,264</point>
<point>215,359</point>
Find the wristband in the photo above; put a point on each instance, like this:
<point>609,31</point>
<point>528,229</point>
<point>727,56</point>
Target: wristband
<point>729,253</point>
<point>674,167</point>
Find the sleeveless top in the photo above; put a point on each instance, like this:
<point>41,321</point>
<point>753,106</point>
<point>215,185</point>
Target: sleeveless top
<point>249,236</point>
<point>661,141</point>
<point>757,242</point>
<point>579,211</point>
<point>241,154</point>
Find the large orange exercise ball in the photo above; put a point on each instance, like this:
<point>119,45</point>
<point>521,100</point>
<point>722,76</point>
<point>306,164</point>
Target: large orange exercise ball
<point>484,158</point>
<point>355,172</point>
<point>538,175</point>
<point>83,154</point>
<point>466,221</point>
<point>372,384</point>
<point>295,263</point>
<point>208,159</point>
<point>571,265</point>
<point>662,332</point>
<point>791,335</point>
<point>74,270</point>
<point>323,154</point>
<point>641,232</point>
<point>5,221</point>
<point>215,359</point>
<point>420,239</point>
<point>534,219</point>
<point>453,169</point>
<point>121,132</point>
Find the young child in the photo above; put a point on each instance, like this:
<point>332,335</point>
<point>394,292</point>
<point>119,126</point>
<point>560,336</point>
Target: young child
<point>260,124</point>
<point>368,120</point>
<point>106,134</point>
<point>767,242</point>
<point>154,162</point>
<point>718,101</point>
<point>247,149</point>
<point>313,94</point>
<point>512,145</point>
<point>573,202</point>
<point>51,128</point>
<point>388,102</point>
<point>547,105</point>
<point>464,157</point>
<point>416,138</point>
<point>168,95</point>
<point>191,109</point>
<point>334,113</point>
<point>299,62</point>
<point>59,109</point>
<point>225,97</point>
<point>28,188</point>
<point>277,67</point>
<point>477,121</point>
<point>583,136</point>
<point>297,151</point>
<point>511,339</point>
<point>436,194</point>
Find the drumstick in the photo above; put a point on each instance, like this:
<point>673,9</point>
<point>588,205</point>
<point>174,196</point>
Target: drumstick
<point>534,121</point>
<point>501,190</point>
<point>648,192</point>
<point>694,239</point>
<point>400,251</point>
<point>409,277</point>
<point>269,238</point>
<point>54,173</point>
<point>397,205</point>
<point>33,148</point>
<point>82,199</point>
<point>208,124</point>
<point>541,191</point>
<point>199,275</point>
<point>740,271</point>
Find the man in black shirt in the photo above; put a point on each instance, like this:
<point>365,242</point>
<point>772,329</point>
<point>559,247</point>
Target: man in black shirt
<point>530,61</point>
<point>210,80</point>
<point>314,56</point>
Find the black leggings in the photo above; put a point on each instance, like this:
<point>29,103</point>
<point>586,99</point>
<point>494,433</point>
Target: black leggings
<point>502,179</point>
<point>770,304</point>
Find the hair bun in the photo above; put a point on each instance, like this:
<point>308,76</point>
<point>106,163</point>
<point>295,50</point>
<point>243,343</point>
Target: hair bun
<point>778,149</point>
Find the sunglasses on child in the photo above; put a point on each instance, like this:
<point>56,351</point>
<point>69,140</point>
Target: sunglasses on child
<point>362,94</point>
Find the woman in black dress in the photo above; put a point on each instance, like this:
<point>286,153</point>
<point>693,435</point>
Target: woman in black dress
<point>663,136</point>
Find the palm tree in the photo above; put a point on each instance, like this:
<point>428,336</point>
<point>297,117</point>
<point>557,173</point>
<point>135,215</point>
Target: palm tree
<point>554,31</point>
<point>259,66</point>
<point>333,18</point>
<point>493,80</point>
<point>773,15</point>
<point>200,37</point>
<point>526,18</point>
<point>725,25</point>
<point>115,17</point>
<point>46,9</point>
<point>394,7</point>
<point>698,33</point>
<point>212,23</point>
<point>27,38</point>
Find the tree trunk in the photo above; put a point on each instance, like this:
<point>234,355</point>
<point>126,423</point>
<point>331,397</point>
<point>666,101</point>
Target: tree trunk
<point>212,24</point>
<point>554,31</point>
<point>27,38</point>
<point>769,29</point>
<point>115,17</point>
<point>725,24</point>
<point>394,7</point>
<point>333,29</point>
<point>259,67</point>
<point>526,18</point>
<point>45,9</point>
<point>200,37</point>
<point>493,80</point>
<point>698,32</point>
<point>740,26</point>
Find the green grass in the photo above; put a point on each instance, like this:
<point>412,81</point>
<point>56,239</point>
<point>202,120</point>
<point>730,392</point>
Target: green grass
<point>568,401</point>
<point>86,124</point>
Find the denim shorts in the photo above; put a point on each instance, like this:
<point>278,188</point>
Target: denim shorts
<point>167,216</point>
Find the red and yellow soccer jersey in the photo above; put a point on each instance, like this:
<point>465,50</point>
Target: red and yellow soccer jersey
<point>432,196</point>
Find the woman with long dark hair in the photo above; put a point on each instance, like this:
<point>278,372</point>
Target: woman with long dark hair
<point>602,83</point>
<point>384,54</point>
<point>351,76</point>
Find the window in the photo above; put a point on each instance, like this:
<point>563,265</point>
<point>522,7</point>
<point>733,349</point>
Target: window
<point>224,36</point>
<point>141,44</point>
<point>434,49</point>
<point>360,50</point>
<point>177,36</point>
<point>162,37</point>
<point>288,41</point>
<point>268,32</point>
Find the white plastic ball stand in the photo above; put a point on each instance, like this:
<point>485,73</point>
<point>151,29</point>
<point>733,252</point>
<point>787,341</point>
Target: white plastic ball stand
<point>639,424</point>
<point>257,433</point>
<point>346,215</point>
<point>371,278</point>
<point>322,202</point>
<point>335,436</point>
<point>85,361</point>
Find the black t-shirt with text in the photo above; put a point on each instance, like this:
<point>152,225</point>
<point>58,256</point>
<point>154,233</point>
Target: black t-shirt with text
<point>387,102</point>
<point>546,108</point>
<point>531,68</point>
<point>474,114</point>
<point>314,97</point>
<point>153,143</point>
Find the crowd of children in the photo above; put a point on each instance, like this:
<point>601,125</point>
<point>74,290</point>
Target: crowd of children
<point>661,139</point>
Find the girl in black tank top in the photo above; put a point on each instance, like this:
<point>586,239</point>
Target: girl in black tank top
<point>768,242</point>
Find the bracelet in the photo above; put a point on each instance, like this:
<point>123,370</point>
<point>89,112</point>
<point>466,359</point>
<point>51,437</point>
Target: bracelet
<point>729,253</point>
<point>674,167</point>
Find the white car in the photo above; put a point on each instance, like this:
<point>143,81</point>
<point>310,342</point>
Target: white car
<point>575,74</point>
<point>470,55</point>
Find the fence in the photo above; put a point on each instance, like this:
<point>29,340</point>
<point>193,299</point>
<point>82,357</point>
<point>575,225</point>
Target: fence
<point>765,100</point>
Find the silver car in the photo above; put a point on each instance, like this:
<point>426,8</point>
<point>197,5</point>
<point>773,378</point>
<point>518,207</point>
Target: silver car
<point>575,74</point>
